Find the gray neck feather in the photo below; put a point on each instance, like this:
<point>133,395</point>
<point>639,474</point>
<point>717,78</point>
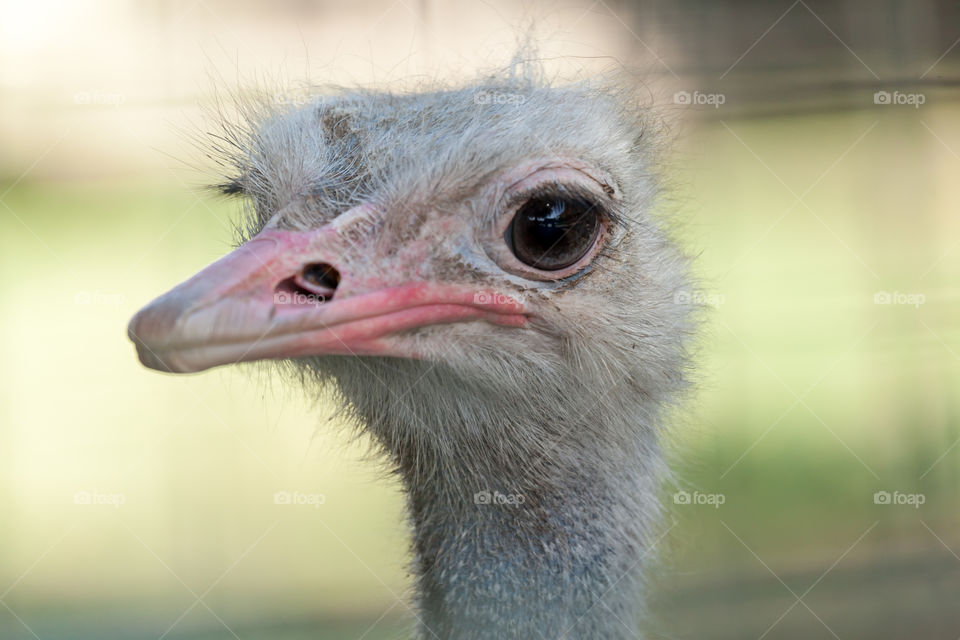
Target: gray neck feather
<point>534,503</point>
<point>532,549</point>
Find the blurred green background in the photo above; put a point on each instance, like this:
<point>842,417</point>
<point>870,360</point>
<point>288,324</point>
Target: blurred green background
<point>138,505</point>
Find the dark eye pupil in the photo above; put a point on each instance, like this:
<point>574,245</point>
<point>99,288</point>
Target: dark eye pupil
<point>553,233</point>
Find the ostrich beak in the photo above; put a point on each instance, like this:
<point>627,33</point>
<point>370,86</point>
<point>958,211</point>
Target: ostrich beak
<point>284,295</point>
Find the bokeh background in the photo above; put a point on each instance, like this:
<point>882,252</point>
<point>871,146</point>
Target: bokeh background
<point>816,173</point>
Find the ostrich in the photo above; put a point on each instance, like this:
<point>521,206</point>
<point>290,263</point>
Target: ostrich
<point>477,272</point>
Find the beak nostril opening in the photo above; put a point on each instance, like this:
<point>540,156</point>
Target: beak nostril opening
<point>291,292</point>
<point>316,283</point>
<point>322,275</point>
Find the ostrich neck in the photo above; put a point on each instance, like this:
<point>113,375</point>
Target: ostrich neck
<point>530,550</point>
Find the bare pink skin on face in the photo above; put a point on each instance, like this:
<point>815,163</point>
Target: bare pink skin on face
<point>255,304</point>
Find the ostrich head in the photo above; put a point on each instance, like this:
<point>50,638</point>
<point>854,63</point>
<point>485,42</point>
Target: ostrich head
<point>478,274</point>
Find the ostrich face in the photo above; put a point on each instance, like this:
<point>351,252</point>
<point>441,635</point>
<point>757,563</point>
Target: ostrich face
<point>501,232</point>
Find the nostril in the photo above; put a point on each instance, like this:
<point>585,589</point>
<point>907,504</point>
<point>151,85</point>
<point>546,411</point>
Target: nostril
<point>316,282</point>
<point>322,275</point>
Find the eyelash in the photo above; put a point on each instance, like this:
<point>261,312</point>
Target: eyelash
<point>610,213</point>
<point>231,188</point>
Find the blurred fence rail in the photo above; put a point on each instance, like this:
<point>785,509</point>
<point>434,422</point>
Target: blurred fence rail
<point>99,87</point>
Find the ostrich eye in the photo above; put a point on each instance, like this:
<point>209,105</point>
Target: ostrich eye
<point>553,233</point>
